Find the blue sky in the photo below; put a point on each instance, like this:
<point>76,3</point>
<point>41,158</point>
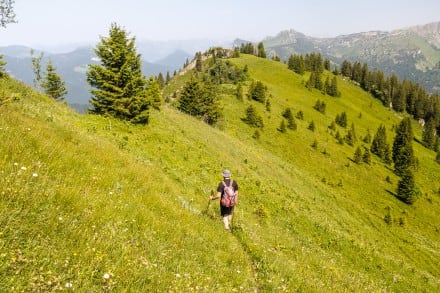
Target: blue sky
<point>57,22</point>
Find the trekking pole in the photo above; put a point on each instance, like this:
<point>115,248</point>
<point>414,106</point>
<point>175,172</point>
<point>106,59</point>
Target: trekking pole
<point>209,202</point>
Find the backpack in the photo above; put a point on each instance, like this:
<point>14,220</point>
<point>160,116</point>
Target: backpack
<point>229,199</point>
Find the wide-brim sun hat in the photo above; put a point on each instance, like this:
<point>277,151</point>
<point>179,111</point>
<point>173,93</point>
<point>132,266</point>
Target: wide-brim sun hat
<point>226,173</point>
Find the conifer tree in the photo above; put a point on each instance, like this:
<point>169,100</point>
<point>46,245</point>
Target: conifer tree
<point>341,119</point>
<point>296,63</point>
<point>153,93</point>
<point>320,106</point>
<point>332,126</point>
<point>327,64</point>
<point>261,51</point>
<point>350,137</point>
<point>367,138</point>
<point>191,92</point>
<point>118,86</point>
<point>200,100</point>
<point>239,92</point>
<point>333,89</point>
<point>406,187</point>
<point>402,153</point>
<point>199,62</point>
<point>291,124</point>
<point>290,120</point>
<point>311,126</point>
<point>167,78</point>
<point>282,127</point>
<point>357,157</point>
<point>346,68</point>
<point>52,84</point>
<point>252,118</point>
<point>366,157</point>
<point>404,159</point>
<point>379,144</point>
<point>268,105</point>
<point>428,136</point>
<point>339,138</point>
<point>257,91</point>
<point>160,80</point>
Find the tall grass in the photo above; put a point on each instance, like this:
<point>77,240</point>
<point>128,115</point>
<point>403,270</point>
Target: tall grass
<point>104,205</point>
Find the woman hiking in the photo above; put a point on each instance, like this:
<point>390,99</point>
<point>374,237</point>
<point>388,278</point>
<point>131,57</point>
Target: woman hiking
<point>227,190</point>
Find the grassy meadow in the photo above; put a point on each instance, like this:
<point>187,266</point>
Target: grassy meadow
<point>90,203</point>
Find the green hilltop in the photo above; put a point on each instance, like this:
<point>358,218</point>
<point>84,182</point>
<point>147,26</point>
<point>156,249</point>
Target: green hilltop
<point>91,203</point>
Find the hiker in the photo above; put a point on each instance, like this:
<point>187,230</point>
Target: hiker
<point>227,190</point>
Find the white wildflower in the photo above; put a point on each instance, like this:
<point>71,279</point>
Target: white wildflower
<point>178,276</point>
<point>69,285</point>
<point>15,164</point>
<point>23,168</point>
<point>106,276</point>
<point>34,175</point>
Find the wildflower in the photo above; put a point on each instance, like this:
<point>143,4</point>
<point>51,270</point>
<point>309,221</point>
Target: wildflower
<point>69,285</point>
<point>106,276</point>
<point>111,193</point>
<point>34,175</point>
<point>178,275</point>
<point>15,164</point>
<point>23,168</point>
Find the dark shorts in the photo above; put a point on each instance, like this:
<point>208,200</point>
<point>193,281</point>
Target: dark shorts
<point>226,211</point>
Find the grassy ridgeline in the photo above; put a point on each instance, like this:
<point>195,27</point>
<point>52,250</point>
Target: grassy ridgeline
<point>96,203</point>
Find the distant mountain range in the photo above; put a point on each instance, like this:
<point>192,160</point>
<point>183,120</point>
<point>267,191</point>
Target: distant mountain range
<point>412,53</point>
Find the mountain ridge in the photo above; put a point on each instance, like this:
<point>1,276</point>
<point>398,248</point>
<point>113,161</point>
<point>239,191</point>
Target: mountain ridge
<point>412,53</point>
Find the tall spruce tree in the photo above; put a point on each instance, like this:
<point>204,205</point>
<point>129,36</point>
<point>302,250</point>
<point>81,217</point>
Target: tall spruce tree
<point>406,189</point>
<point>160,80</point>
<point>261,52</point>
<point>257,91</point>
<point>199,63</point>
<point>118,86</point>
<point>357,157</point>
<point>428,136</point>
<point>402,153</point>
<point>52,84</point>
<point>379,144</point>
<point>154,94</point>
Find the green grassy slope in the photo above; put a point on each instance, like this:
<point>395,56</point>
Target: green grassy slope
<point>86,196</point>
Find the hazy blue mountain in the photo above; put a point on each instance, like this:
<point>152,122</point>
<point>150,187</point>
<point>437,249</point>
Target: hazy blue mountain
<point>153,51</point>
<point>412,53</point>
<point>175,59</point>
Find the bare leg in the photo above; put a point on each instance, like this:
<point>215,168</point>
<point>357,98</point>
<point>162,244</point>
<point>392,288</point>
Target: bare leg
<point>226,222</point>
